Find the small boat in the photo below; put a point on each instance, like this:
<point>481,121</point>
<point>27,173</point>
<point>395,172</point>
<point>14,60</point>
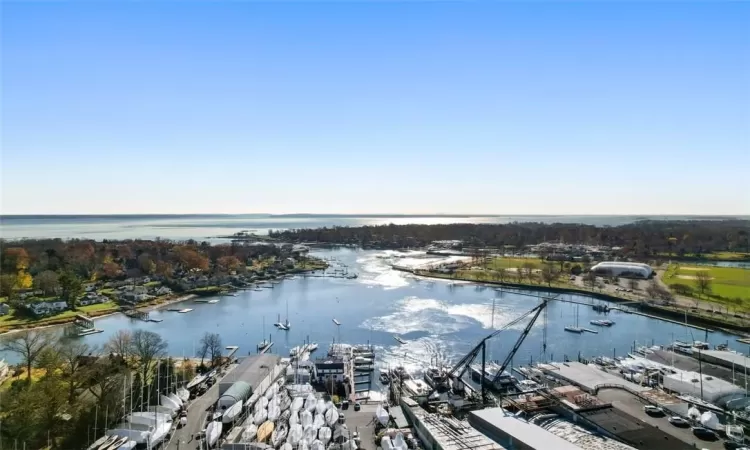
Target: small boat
<point>295,434</point>
<point>336,322</point>
<point>382,415</point>
<point>232,412</point>
<point>293,417</point>
<point>303,445</point>
<point>175,398</point>
<point>320,407</point>
<point>602,323</point>
<point>261,404</point>
<point>399,442</point>
<point>305,419</point>
<point>169,403</point>
<point>735,433</point>
<point>195,382</point>
<point>260,416</point>
<point>213,431</point>
<point>310,402</point>
<point>312,347</point>
<point>384,378</point>
<point>127,445</point>
<point>297,403</point>
<point>184,394</point>
<point>117,443</point>
<point>214,301</point>
<point>185,310</point>
<point>285,402</point>
<point>285,415</point>
<point>273,411</point>
<point>265,431</point>
<point>399,340</point>
<point>324,434</point>
<point>317,445</point>
<point>309,433</point>
<point>279,434</point>
<point>318,422</point>
<point>104,442</point>
<point>572,329</point>
<point>386,443</point>
<point>332,417</point>
<point>286,446</point>
<point>249,433</point>
<point>271,391</point>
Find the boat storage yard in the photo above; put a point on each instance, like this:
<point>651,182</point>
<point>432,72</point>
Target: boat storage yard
<point>266,401</point>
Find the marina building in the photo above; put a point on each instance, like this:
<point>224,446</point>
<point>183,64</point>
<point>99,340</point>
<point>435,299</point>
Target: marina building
<point>515,434</point>
<point>707,388</point>
<point>439,432</point>
<point>253,373</point>
<point>623,269</point>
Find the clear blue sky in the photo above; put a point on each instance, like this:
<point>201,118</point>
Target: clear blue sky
<point>386,107</point>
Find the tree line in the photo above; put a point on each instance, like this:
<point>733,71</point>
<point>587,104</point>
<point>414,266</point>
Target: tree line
<point>58,267</point>
<point>644,238</point>
<point>64,393</point>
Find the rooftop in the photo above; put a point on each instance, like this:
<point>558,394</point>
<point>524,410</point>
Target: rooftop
<point>452,434</point>
<point>251,369</point>
<point>585,376</point>
<point>579,436</point>
<point>500,423</point>
<point>629,429</point>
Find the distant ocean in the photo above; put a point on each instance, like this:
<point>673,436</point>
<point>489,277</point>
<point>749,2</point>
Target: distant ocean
<point>210,227</point>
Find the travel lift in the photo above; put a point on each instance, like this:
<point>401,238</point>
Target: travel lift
<point>458,371</point>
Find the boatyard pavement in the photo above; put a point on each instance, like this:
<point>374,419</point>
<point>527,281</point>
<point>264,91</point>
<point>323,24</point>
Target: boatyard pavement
<point>630,404</point>
<point>186,437</point>
<point>362,422</point>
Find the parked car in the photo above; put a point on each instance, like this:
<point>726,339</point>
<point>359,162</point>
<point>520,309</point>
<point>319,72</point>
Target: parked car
<point>652,410</point>
<point>678,421</point>
<point>357,406</point>
<point>704,433</point>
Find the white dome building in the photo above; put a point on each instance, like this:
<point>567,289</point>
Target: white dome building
<point>623,269</point>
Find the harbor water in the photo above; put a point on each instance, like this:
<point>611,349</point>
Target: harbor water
<point>431,316</point>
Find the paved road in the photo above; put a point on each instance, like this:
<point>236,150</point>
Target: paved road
<point>630,404</point>
<point>184,438</point>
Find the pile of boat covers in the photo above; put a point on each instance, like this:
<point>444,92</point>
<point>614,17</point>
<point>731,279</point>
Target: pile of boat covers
<point>295,419</point>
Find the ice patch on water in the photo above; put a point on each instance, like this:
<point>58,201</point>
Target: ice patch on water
<point>437,317</point>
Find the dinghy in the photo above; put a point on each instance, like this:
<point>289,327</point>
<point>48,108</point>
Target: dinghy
<point>104,442</point>
<point>286,446</point>
<point>293,417</point>
<point>298,403</point>
<point>386,443</point>
<point>320,406</point>
<point>310,402</point>
<point>332,416</point>
<point>232,412</point>
<point>329,405</point>
<point>399,442</point>
<point>279,434</point>
<point>319,421</point>
<point>213,431</point>
<point>249,433</point>
<point>265,431</point>
<point>260,416</point>
<point>324,434</point>
<point>129,445</point>
<point>273,410</point>
<point>317,445</point>
<point>303,445</point>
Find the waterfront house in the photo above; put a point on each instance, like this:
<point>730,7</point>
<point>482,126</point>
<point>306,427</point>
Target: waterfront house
<point>163,290</point>
<point>92,298</point>
<point>4,309</point>
<point>44,308</point>
<point>289,263</point>
<point>330,369</point>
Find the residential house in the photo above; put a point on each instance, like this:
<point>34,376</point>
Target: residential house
<point>44,308</point>
<point>92,298</point>
<point>289,263</point>
<point>163,290</point>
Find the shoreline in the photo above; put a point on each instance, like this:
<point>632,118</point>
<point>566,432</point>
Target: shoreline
<point>652,311</point>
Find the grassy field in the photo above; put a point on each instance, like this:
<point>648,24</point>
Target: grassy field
<point>513,263</point>
<point>13,321</point>
<point>719,256</point>
<point>729,285</point>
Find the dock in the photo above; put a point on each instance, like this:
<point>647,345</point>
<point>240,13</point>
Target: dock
<point>743,340</point>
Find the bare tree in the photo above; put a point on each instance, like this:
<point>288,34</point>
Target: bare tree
<point>703,281</point>
<point>528,269</point>
<point>29,344</point>
<point>210,344</point>
<point>121,343</point>
<point>549,274</point>
<point>502,274</point>
<point>73,355</point>
<point>589,279</point>
<point>48,282</point>
<point>147,348</point>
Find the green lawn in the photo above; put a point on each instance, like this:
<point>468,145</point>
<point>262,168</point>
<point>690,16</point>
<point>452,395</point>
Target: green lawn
<point>724,256</point>
<point>12,320</point>
<point>509,263</point>
<point>153,283</point>
<point>727,285</point>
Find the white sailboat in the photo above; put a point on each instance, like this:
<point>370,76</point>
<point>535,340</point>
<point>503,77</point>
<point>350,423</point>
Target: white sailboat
<point>232,412</point>
<point>576,328</point>
<point>287,323</point>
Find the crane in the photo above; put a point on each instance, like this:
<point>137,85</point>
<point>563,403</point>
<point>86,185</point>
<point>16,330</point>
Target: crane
<point>462,366</point>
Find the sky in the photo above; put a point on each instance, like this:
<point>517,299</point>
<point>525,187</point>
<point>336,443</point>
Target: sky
<point>416,107</point>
